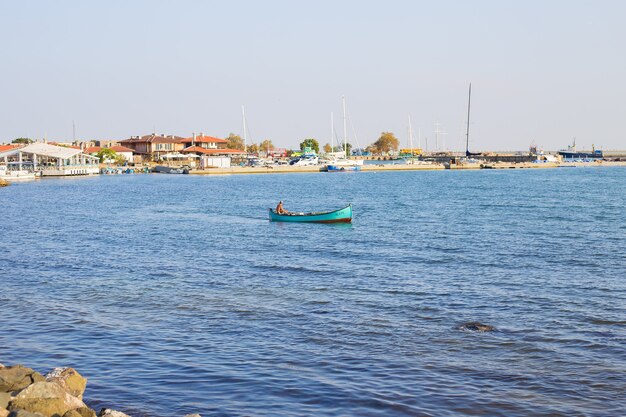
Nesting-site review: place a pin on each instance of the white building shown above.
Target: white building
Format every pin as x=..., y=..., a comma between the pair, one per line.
x=50, y=160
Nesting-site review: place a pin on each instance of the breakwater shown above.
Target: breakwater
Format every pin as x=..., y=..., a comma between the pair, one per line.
x=25, y=392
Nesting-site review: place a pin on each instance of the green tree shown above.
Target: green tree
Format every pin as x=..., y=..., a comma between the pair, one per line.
x=310, y=143
x=23, y=140
x=386, y=142
x=327, y=148
x=109, y=155
x=253, y=148
x=235, y=142
x=339, y=148
x=266, y=145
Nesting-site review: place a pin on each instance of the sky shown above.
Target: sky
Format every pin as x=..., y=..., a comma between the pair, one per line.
x=542, y=72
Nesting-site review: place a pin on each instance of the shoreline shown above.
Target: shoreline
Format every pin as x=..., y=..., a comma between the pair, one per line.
x=401, y=167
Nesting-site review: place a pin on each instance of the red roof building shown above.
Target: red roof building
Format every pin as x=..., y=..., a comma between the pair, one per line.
x=92, y=149
x=154, y=146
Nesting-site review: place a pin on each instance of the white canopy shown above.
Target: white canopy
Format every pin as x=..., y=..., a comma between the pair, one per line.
x=44, y=149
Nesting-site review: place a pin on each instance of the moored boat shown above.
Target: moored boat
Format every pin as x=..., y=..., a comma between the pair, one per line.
x=342, y=168
x=343, y=215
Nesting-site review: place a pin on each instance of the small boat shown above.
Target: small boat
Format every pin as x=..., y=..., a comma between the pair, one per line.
x=342, y=168
x=343, y=215
x=161, y=169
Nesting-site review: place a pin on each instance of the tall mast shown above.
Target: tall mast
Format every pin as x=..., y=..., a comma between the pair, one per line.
x=345, y=127
x=419, y=137
x=245, y=138
x=410, y=135
x=436, y=136
x=332, y=132
x=469, y=101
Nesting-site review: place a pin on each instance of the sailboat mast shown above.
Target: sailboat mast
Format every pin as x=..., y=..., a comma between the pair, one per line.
x=332, y=132
x=245, y=138
x=345, y=127
x=469, y=101
x=410, y=135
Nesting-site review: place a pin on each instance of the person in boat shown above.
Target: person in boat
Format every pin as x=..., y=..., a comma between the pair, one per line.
x=280, y=209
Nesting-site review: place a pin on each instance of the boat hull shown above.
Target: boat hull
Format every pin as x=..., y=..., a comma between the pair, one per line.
x=342, y=168
x=343, y=215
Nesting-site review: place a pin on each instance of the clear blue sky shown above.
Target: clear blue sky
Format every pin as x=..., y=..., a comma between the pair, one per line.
x=542, y=71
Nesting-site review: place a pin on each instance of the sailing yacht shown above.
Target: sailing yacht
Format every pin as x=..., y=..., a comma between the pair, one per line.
x=339, y=161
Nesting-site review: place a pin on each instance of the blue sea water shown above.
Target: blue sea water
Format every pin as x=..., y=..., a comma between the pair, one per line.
x=174, y=294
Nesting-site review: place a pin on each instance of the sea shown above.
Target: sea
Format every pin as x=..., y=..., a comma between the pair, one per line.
x=174, y=294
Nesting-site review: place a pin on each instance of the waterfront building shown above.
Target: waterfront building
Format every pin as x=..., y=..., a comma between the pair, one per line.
x=153, y=147
x=123, y=151
x=50, y=160
x=211, y=151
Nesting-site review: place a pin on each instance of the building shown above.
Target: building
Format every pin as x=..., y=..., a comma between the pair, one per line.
x=153, y=147
x=50, y=160
x=212, y=152
x=124, y=152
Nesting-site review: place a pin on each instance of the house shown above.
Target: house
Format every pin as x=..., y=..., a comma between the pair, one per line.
x=92, y=150
x=125, y=152
x=208, y=145
x=153, y=147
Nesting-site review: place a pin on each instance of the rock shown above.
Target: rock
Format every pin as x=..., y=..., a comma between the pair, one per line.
x=5, y=398
x=69, y=379
x=15, y=378
x=23, y=413
x=47, y=398
x=107, y=412
x=193, y=415
x=48, y=407
x=4, y=412
x=3, y=183
x=475, y=326
x=81, y=412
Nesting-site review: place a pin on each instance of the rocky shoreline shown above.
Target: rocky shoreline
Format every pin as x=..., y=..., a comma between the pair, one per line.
x=3, y=183
x=25, y=392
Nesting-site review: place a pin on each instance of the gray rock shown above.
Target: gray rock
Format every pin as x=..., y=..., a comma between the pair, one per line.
x=107, y=412
x=475, y=326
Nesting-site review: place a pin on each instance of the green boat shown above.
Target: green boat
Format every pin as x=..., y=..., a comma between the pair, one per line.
x=343, y=215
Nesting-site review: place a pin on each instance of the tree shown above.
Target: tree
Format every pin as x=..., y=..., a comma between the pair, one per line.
x=266, y=145
x=310, y=143
x=327, y=148
x=386, y=142
x=23, y=140
x=253, y=148
x=109, y=155
x=235, y=142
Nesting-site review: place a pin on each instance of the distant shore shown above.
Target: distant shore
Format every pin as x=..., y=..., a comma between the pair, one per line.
x=403, y=167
